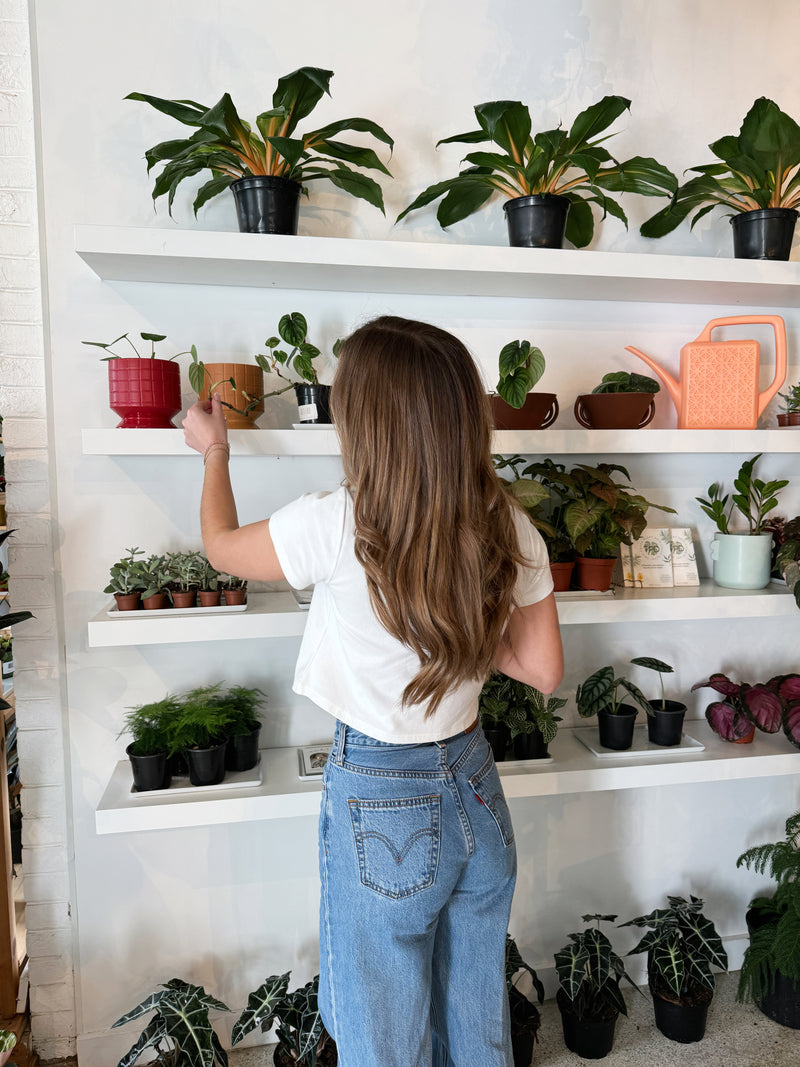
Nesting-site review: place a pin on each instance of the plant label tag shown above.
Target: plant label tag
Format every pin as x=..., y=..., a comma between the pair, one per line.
x=684, y=558
x=307, y=412
x=647, y=563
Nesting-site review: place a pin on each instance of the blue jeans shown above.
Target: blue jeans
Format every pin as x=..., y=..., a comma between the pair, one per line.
x=417, y=868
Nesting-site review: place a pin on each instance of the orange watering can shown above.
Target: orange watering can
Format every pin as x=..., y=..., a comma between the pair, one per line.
x=718, y=385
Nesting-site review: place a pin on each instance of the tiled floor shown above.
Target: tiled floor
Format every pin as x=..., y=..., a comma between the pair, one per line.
x=737, y=1036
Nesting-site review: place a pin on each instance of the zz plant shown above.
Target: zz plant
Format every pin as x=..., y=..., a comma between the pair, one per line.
x=230, y=148
x=555, y=162
x=754, y=498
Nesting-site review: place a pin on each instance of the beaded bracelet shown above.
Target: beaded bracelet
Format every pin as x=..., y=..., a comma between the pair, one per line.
x=214, y=445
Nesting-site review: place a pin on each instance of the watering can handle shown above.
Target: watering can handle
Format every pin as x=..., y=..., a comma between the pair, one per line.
x=779, y=329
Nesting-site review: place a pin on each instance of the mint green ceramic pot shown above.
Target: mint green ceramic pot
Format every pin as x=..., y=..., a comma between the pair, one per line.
x=742, y=561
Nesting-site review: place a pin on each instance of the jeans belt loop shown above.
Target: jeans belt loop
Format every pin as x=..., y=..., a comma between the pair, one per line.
x=337, y=752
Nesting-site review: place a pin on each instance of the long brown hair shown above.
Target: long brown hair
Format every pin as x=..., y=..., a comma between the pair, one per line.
x=434, y=529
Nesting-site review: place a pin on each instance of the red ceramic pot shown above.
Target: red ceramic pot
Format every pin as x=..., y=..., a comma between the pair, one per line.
x=146, y=393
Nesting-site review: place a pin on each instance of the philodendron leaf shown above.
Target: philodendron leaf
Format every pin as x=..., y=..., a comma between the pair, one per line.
x=260, y=1006
x=514, y=388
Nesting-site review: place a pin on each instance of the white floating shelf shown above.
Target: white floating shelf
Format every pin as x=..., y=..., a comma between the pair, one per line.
x=282, y=795
x=203, y=257
x=114, y=442
x=278, y=615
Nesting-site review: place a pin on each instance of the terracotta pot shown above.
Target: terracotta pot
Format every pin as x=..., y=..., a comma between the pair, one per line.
x=595, y=573
x=783, y=419
x=248, y=377
x=155, y=602
x=210, y=598
x=794, y=418
x=562, y=575
x=746, y=738
x=615, y=411
x=539, y=411
x=146, y=393
x=128, y=601
x=235, y=596
x=184, y=598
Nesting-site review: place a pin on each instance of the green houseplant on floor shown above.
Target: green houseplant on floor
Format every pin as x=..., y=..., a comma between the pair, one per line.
x=756, y=179
x=550, y=180
x=268, y=167
x=303, y=1041
x=525, y=1017
x=770, y=974
x=682, y=947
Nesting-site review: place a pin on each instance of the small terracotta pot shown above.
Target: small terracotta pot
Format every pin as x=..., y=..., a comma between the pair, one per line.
x=595, y=573
x=155, y=602
x=128, y=601
x=539, y=411
x=783, y=419
x=615, y=411
x=184, y=598
x=235, y=596
x=210, y=598
x=248, y=377
x=562, y=575
x=794, y=418
x=746, y=738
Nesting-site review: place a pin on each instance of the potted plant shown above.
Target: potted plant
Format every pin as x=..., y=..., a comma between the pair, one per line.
x=525, y=1017
x=180, y=1032
x=756, y=180
x=743, y=560
x=522, y=714
x=550, y=179
x=144, y=391
x=200, y=732
x=622, y=401
x=589, y=996
x=152, y=729
x=126, y=581
x=600, y=516
x=313, y=398
x=514, y=406
x=243, y=727
x=209, y=592
x=303, y=1041
x=682, y=946
x=665, y=717
x=492, y=708
x=599, y=696
x=544, y=490
x=787, y=556
x=155, y=577
x=266, y=173
x=770, y=706
x=791, y=403
x=770, y=974
x=187, y=570
x=234, y=589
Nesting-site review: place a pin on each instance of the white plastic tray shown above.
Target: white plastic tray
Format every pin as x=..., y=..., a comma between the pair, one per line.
x=144, y=613
x=641, y=747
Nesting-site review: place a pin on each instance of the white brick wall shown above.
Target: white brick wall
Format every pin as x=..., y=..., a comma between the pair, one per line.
x=37, y=649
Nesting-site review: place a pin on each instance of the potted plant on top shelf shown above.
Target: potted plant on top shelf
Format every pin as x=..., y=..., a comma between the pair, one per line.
x=589, y=997
x=243, y=726
x=550, y=179
x=791, y=402
x=743, y=560
x=770, y=974
x=757, y=179
x=200, y=733
x=682, y=946
x=143, y=390
x=665, y=717
x=187, y=570
x=518, y=713
x=266, y=170
x=787, y=556
x=599, y=696
x=152, y=730
x=515, y=406
x=622, y=401
x=770, y=706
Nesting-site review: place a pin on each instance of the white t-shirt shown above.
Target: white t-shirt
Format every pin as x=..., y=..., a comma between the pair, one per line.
x=349, y=664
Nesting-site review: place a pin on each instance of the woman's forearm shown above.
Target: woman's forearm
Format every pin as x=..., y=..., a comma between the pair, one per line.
x=217, y=507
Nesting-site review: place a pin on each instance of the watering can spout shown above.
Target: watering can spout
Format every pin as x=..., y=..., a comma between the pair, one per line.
x=672, y=387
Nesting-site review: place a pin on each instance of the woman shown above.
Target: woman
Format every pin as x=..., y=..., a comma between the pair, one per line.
x=426, y=577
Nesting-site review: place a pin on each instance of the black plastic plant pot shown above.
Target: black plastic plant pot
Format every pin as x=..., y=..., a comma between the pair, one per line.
x=498, y=738
x=149, y=772
x=537, y=221
x=265, y=204
x=684, y=1023
x=525, y=1023
x=313, y=402
x=242, y=751
x=616, y=731
x=782, y=1004
x=764, y=234
x=530, y=746
x=665, y=725
x=206, y=765
x=590, y=1038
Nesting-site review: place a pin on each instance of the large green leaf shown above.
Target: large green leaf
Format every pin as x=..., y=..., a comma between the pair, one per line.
x=463, y=199
x=528, y=492
x=299, y=93
x=359, y=185
x=186, y=111
x=508, y=123
x=580, y=222
x=640, y=174
x=211, y=189
x=571, y=964
x=352, y=154
x=152, y=1034
x=582, y=515
x=770, y=136
x=595, y=693
x=668, y=962
x=357, y=125
x=261, y=1005
x=292, y=149
x=186, y=1022
x=653, y=664
x=595, y=119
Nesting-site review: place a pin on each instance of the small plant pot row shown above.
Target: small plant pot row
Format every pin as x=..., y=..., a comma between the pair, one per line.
x=203, y=766
x=181, y=599
x=174, y=579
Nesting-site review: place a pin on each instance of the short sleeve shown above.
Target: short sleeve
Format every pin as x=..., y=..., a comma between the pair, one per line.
x=308, y=534
x=534, y=580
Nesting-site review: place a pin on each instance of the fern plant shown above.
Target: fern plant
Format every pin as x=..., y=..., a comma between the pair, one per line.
x=775, y=922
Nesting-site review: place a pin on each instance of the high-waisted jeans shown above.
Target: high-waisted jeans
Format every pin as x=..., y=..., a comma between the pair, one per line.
x=417, y=865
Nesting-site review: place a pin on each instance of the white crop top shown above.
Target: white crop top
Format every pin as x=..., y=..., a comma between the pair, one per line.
x=348, y=663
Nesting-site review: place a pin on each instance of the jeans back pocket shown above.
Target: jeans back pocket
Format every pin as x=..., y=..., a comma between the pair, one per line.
x=487, y=788
x=397, y=842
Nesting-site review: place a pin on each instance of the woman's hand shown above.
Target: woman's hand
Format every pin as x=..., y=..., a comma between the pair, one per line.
x=204, y=424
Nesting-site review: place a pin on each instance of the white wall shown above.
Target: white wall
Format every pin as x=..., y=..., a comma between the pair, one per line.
x=225, y=906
